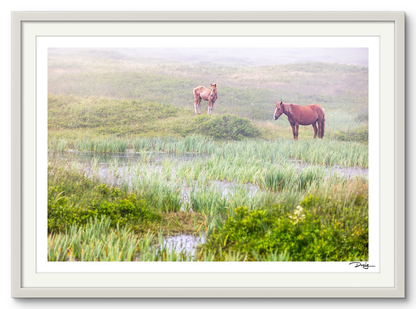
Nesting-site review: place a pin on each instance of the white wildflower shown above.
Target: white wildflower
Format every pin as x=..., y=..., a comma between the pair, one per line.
x=297, y=215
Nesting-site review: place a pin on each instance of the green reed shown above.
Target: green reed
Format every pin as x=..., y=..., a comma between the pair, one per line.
x=321, y=152
x=98, y=242
x=201, y=187
x=191, y=143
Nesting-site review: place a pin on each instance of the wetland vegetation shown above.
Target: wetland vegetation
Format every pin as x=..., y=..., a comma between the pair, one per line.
x=130, y=167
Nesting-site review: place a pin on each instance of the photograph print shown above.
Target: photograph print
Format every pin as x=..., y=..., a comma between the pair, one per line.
x=222, y=153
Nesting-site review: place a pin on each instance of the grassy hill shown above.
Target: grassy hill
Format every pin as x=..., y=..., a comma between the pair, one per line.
x=121, y=92
x=74, y=118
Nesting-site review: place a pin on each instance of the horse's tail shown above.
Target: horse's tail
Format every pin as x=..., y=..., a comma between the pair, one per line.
x=323, y=124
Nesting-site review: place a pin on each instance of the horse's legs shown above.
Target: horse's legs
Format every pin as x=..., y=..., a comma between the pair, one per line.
x=297, y=131
x=314, y=129
x=196, y=105
x=293, y=130
x=322, y=127
x=319, y=128
x=210, y=106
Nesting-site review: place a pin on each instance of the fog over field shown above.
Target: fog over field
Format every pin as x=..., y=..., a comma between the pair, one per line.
x=239, y=56
x=250, y=80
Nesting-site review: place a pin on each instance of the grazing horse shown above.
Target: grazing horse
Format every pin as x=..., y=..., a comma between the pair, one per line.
x=302, y=115
x=207, y=94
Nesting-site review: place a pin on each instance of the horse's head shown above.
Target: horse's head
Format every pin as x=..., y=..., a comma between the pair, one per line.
x=213, y=89
x=278, y=110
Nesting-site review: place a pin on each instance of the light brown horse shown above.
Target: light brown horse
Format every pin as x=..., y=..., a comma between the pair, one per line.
x=302, y=115
x=207, y=94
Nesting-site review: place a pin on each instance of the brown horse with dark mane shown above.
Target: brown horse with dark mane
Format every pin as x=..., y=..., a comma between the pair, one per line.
x=207, y=94
x=302, y=115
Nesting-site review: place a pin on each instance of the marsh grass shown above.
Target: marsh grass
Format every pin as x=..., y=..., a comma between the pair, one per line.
x=252, y=191
x=151, y=198
x=321, y=152
x=97, y=241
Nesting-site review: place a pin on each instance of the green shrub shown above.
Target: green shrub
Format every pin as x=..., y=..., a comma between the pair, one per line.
x=359, y=134
x=313, y=231
x=226, y=127
x=74, y=199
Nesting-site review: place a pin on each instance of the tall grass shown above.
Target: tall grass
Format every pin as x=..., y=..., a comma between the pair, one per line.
x=98, y=242
x=191, y=143
x=321, y=152
x=103, y=146
x=161, y=195
x=215, y=188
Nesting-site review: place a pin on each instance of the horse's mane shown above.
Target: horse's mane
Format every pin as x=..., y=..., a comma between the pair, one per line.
x=287, y=108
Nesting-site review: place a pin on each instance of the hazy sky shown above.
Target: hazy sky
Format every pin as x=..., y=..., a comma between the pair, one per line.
x=224, y=56
x=256, y=56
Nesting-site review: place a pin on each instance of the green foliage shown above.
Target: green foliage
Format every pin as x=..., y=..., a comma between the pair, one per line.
x=75, y=199
x=319, y=229
x=98, y=241
x=358, y=134
x=226, y=127
x=107, y=117
x=161, y=188
x=159, y=195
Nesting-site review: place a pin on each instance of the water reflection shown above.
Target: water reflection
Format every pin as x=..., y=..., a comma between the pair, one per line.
x=187, y=243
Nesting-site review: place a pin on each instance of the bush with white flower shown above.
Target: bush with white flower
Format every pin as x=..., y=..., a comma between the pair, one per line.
x=298, y=215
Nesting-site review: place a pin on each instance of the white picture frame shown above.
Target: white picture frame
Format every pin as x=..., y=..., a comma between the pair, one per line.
x=389, y=282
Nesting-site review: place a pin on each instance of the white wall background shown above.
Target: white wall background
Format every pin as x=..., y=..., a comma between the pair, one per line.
x=192, y=5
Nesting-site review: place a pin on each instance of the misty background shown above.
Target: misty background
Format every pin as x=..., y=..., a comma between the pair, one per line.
x=234, y=56
x=96, y=90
